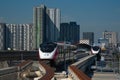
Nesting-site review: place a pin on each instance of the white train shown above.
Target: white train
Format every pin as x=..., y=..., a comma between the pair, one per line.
x=95, y=50
x=52, y=51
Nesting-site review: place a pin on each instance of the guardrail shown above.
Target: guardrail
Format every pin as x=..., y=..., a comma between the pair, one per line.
x=76, y=70
x=77, y=74
x=24, y=65
x=81, y=63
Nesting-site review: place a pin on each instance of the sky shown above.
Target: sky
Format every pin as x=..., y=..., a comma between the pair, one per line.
x=92, y=15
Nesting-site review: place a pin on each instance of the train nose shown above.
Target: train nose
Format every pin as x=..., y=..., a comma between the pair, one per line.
x=95, y=49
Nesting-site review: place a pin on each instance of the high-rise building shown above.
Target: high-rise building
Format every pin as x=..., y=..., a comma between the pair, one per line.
x=112, y=38
x=64, y=32
x=2, y=36
x=89, y=36
x=70, y=32
x=46, y=24
x=39, y=24
x=19, y=36
x=53, y=27
x=11, y=36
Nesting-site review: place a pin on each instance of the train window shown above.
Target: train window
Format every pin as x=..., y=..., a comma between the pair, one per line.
x=48, y=47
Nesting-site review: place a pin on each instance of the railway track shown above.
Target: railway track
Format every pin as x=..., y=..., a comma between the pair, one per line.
x=49, y=72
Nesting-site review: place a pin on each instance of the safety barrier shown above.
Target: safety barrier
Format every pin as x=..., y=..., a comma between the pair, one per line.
x=24, y=65
x=77, y=74
x=76, y=70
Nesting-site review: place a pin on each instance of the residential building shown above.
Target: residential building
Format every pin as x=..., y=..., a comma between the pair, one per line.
x=46, y=24
x=53, y=27
x=2, y=36
x=84, y=41
x=70, y=32
x=39, y=24
x=19, y=36
x=112, y=38
x=89, y=36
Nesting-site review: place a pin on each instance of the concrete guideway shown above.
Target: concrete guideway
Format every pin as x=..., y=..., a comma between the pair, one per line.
x=76, y=70
x=74, y=73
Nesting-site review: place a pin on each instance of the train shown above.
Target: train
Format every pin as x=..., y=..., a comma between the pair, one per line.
x=95, y=49
x=55, y=51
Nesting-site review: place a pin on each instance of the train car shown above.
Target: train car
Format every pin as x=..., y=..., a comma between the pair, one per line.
x=53, y=51
x=89, y=49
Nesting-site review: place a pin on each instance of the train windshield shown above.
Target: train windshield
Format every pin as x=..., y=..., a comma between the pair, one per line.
x=47, y=47
x=96, y=48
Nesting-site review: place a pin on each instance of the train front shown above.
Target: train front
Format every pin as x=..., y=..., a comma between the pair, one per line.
x=95, y=49
x=47, y=51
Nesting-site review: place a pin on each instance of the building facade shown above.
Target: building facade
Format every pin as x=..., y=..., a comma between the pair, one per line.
x=2, y=36
x=46, y=24
x=70, y=32
x=19, y=36
x=39, y=24
x=53, y=27
x=112, y=38
x=84, y=41
x=89, y=36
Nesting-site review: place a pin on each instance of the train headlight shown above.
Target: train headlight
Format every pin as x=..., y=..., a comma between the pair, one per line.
x=46, y=54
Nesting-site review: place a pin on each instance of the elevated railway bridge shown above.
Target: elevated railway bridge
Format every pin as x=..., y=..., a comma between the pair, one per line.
x=76, y=71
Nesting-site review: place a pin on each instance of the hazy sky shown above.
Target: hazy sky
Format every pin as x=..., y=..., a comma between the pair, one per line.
x=92, y=15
